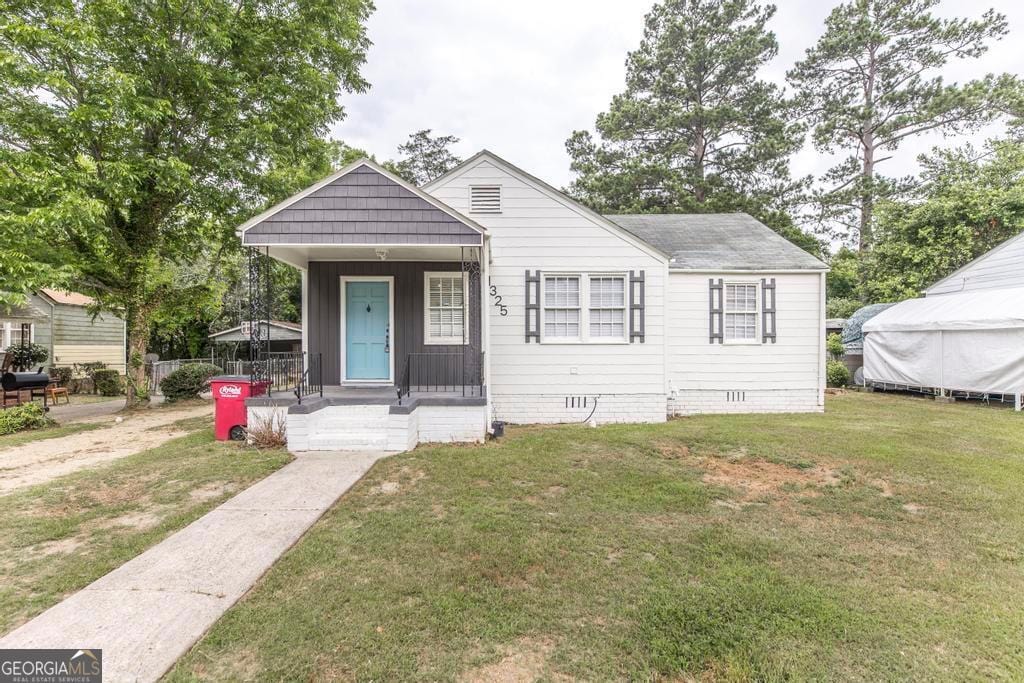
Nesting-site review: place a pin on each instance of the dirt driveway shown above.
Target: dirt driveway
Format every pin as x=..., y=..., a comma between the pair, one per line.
x=40, y=461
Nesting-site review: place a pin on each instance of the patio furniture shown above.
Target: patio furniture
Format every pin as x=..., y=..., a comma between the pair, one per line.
x=55, y=391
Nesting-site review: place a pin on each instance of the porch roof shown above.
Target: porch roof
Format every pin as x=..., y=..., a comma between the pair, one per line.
x=361, y=205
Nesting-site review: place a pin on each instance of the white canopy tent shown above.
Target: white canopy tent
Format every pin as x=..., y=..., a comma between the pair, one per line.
x=970, y=341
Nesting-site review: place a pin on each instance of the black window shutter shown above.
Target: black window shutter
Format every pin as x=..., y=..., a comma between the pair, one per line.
x=637, y=299
x=767, y=310
x=532, y=308
x=716, y=294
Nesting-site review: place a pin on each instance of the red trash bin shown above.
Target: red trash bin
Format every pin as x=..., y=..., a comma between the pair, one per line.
x=229, y=394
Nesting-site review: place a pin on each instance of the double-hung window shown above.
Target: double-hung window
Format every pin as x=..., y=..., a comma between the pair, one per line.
x=562, y=307
x=584, y=307
x=740, y=312
x=11, y=333
x=608, y=307
x=445, y=315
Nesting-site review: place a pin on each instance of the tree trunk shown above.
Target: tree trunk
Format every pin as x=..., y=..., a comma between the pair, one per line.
x=137, y=324
x=867, y=197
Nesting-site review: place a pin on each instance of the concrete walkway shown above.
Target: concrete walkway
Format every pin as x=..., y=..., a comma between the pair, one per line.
x=147, y=613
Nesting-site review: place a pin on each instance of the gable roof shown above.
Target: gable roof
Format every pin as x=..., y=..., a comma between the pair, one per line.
x=718, y=241
x=280, y=324
x=69, y=298
x=959, y=271
x=551, y=192
x=362, y=203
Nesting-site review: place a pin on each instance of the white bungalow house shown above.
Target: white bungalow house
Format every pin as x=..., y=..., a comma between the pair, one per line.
x=488, y=295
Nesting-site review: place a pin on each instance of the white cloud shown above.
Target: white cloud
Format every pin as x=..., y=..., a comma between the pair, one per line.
x=519, y=77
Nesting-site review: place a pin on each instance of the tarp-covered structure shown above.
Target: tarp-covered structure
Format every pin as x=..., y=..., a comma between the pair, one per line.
x=971, y=341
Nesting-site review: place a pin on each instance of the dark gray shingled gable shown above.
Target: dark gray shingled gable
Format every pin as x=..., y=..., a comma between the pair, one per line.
x=717, y=241
x=361, y=207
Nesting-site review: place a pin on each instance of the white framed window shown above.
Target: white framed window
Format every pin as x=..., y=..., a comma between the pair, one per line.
x=584, y=307
x=740, y=312
x=607, y=307
x=445, y=314
x=562, y=307
x=10, y=333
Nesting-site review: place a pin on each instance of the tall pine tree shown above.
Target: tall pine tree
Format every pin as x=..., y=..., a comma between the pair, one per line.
x=695, y=130
x=871, y=83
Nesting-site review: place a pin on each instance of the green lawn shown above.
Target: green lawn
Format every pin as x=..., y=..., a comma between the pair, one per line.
x=19, y=438
x=60, y=536
x=883, y=540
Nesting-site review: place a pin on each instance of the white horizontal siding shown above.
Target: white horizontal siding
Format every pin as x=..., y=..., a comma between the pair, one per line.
x=528, y=382
x=1003, y=267
x=784, y=376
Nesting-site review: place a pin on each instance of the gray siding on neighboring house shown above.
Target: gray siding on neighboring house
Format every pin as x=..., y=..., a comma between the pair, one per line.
x=324, y=311
x=361, y=207
x=75, y=325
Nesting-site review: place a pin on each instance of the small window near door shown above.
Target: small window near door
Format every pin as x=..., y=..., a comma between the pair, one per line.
x=445, y=316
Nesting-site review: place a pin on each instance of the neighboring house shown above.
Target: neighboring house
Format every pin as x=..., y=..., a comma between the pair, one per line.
x=284, y=336
x=965, y=336
x=63, y=323
x=490, y=295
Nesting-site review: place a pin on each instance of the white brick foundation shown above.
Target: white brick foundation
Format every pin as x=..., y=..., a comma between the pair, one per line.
x=375, y=427
x=697, y=401
x=532, y=408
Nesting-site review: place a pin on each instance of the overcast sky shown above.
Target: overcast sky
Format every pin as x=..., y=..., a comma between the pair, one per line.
x=518, y=77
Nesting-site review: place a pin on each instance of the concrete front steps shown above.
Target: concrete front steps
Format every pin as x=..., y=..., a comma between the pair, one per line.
x=377, y=427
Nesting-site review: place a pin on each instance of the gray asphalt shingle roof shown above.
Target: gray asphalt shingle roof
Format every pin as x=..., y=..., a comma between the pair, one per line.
x=717, y=241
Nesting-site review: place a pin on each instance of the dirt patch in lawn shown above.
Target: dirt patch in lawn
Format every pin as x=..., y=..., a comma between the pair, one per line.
x=210, y=491
x=760, y=480
x=41, y=461
x=524, y=662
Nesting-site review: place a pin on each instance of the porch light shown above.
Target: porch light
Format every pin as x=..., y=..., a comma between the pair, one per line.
x=382, y=253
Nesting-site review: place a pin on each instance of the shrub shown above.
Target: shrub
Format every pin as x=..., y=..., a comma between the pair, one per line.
x=834, y=345
x=89, y=370
x=268, y=432
x=23, y=417
x=108, y=382
x=188, y=381
x=28, y=356
x=837, y=374
x=62, y=375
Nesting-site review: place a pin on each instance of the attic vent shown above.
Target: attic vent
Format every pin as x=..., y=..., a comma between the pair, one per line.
x=485, y=199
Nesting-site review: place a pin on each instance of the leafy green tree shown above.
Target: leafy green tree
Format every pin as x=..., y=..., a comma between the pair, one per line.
x=696, y=129
x=873, y=81
x=971, y=201
x=424, y=157
x=133, y=133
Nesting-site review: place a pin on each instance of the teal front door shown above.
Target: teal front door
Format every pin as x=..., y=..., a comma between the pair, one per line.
x=367, y=331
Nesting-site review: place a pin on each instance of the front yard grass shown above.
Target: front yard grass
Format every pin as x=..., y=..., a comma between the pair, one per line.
x=882, y=540
x=60, y=536
x=55, y=432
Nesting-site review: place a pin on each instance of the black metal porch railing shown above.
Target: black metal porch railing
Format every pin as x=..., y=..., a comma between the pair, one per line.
x=298, y=373
x=453, y=373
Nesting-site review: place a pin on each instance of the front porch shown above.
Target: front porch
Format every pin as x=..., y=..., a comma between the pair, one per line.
x=393, y=327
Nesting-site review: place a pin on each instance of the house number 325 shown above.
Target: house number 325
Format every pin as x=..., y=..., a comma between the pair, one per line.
x=502, y=308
